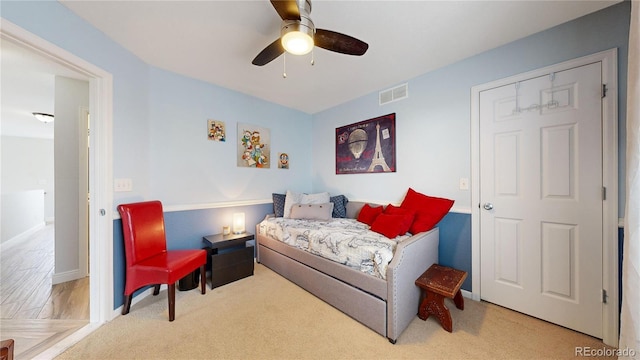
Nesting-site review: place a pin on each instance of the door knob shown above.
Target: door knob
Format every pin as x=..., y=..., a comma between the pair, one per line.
x=487, y=206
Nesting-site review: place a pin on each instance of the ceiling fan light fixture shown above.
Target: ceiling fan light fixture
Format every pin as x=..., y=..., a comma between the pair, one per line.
x=297, y=43
x=45, y=118
x=297, y=36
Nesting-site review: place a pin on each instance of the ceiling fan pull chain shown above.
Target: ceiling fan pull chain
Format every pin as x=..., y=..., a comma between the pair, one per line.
x=517, y=103
x=553, y=102
x=313, y=61
x=284, y=66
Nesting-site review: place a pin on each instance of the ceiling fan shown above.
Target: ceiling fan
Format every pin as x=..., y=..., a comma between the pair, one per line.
x=298, y=35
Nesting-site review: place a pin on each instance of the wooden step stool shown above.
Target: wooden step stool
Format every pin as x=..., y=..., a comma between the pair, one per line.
x=439, y=282
x=6, y=349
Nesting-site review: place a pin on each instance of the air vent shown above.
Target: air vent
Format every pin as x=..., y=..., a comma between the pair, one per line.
x=394, y=94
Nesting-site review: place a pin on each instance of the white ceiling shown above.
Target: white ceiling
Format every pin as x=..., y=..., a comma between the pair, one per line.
x=27, y=83
x=215, y=41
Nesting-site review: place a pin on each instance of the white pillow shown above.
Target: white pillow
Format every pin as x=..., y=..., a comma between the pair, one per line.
x=292, y=198
x=319, y=198
x=312, y=211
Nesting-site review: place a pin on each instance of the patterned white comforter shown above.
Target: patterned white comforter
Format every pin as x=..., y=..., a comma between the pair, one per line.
x=346, y=241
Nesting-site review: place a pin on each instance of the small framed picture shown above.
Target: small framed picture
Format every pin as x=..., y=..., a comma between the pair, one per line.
x=216, y=130
x=283, y=161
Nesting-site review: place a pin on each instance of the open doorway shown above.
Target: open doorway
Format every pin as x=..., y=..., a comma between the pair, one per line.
x=99, y=214
x=43, y=271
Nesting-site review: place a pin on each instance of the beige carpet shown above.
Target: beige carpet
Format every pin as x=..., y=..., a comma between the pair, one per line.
x=267, y=317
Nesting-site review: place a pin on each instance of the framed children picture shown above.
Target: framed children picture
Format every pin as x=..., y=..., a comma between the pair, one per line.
x=216, y=130
x=367, y=146
x=254, y=149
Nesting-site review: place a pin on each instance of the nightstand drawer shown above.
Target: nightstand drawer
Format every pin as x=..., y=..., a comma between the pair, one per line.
x=231, y=266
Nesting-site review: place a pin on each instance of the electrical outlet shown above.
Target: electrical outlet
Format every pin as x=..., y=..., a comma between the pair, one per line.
x=464, y=184
x=120, y=185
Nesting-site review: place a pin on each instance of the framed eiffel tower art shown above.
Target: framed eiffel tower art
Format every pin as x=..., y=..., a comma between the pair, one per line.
x=367, y=146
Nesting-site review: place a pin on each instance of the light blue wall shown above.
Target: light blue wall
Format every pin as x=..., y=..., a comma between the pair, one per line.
x=159, y=121
x=434, y=123
x=56, y=24
x=187, y=168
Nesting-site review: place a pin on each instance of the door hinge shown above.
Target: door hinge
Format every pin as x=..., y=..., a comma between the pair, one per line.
x=604, y=296
x=604, y=90
x=604, y=193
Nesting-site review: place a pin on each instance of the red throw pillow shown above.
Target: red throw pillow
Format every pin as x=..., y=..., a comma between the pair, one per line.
x=407, y=216
x=388, y=225
x=429, y=210
x=368, y=214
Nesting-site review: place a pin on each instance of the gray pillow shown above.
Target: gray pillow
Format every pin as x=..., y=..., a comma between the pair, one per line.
x=312, y=211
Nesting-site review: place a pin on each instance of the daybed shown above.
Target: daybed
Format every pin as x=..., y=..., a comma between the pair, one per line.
x=385, y=306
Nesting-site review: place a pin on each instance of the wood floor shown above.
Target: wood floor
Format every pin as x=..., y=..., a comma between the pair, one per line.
x=33, y=312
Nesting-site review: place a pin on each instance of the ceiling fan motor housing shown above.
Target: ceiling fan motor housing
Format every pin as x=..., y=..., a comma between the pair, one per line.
x=304, y=25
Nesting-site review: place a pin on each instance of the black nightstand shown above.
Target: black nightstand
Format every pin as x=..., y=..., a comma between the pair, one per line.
x=231, y=257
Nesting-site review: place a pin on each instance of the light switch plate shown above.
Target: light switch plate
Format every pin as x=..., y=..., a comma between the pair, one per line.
x=464, y=184
x=121, y=185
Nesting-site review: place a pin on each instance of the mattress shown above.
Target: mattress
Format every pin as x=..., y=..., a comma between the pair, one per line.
x=345, y=241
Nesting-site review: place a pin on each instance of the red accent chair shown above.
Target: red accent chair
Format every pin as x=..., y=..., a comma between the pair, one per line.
x=147, y=259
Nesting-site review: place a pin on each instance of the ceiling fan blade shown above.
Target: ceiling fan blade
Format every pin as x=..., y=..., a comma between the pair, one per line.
x=269, y=53
x=340, y=43
x=287, y=9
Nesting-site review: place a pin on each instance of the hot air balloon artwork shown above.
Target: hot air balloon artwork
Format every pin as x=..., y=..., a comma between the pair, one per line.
x=367, y=147
x=357, y=142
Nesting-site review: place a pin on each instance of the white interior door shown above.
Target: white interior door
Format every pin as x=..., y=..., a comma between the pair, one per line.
x=541, y=195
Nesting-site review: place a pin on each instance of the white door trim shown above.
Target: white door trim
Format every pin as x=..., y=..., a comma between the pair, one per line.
x=609, y=59
x=100, y=168
x=83, y=226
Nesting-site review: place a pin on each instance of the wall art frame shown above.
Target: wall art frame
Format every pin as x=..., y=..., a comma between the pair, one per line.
x=283, y=161
x=367, y=146
x=254, y=146
x=216, y=130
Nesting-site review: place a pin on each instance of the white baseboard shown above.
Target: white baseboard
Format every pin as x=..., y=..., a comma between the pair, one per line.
x=67, y=276
x=21, y=237
x=118, y=311
x=469, y=295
